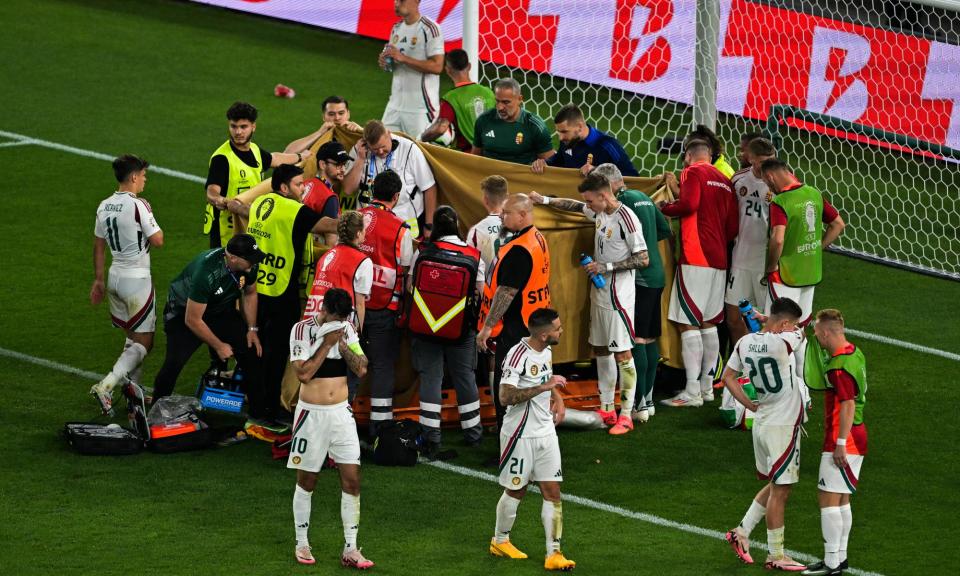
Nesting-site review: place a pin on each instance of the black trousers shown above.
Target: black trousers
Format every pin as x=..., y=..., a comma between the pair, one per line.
x=227, y=325
x=275, y=318
x=505, y=341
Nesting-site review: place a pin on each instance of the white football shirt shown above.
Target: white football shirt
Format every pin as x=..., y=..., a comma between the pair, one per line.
x=769, y=361
x=125, y=221
x=753, y=202
x=524, y=367
x=413, y=91
x=307, y=336
x=617, y=237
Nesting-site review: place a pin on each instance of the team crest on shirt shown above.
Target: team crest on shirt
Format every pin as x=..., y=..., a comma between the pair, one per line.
x=296, y=460
x=519, y=138
x=743, y=191
x=413, y=41
x=769, y=196
x=396, y=38
x=534, y=370
x=515, y=481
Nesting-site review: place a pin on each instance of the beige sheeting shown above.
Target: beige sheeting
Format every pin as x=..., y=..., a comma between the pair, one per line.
x=458, y=178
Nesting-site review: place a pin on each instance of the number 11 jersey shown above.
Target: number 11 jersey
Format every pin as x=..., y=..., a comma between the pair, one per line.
x=768, y=360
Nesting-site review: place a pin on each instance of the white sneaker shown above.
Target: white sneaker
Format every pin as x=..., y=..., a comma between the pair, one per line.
x=707, y=396
x=641, y=415
x=682, y=400
x=651, y=408
x=103, y=392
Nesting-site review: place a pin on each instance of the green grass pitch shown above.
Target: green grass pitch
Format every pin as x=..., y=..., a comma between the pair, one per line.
x=154, y=78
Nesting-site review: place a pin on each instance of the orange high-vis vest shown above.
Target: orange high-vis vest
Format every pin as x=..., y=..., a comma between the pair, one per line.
x=536, y=293
x=384, y=231
x=335, y=269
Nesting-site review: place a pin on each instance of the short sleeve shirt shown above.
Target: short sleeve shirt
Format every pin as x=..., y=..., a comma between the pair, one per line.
x=206, y=280
x=126, y=221
x=520, y=142
x=307, y=336
x=408, y=161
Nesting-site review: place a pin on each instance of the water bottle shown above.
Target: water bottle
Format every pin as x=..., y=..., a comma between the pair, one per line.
x=237, y=380
x=597, y=279
x=387, y=62
x=746, y=312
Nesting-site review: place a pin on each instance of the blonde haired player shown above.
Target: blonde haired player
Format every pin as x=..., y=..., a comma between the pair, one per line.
x=768, y=357
x=844, y=440
x=126, y=224
x=529, y=450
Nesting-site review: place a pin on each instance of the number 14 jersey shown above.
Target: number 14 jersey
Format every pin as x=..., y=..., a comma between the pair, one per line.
x=768, y=360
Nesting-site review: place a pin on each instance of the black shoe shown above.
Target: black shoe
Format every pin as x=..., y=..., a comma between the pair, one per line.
x=432, y=453
x=820, y=569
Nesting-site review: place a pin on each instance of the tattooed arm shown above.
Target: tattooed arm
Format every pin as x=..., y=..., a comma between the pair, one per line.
x=356, y=362
x=502, y=299
x=559, y=203
x=638, y=260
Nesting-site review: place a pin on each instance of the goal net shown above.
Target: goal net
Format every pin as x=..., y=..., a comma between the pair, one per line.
x=880, y=77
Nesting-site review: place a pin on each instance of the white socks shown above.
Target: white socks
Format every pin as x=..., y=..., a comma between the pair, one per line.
x=628, y=385
x=606, y=381
x=775, y=542
x=831, y=522
x=754, y=515
x=301, y=514
x=350, y=516
x=136, y=373
x=128, y=362
x=506, y=514
x=711, y=352
x=691, y=350
x=847, y=515
x=552, y=515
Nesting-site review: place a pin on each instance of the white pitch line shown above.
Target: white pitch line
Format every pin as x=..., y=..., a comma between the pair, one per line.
x=96, y=155
x=641, y=516
x=16, y=143
x=903, y=344
x=191, y=178
x=470, y=472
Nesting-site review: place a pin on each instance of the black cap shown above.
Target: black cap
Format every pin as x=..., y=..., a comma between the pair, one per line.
x=333, y=151
x=244, y=246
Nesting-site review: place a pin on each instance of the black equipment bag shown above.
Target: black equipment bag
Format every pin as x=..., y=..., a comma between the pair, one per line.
x=89, y=438
x=396, y=443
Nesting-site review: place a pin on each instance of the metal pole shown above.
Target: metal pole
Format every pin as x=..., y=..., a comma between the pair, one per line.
x=945, y=4
x=707, y=57
x=471, y=36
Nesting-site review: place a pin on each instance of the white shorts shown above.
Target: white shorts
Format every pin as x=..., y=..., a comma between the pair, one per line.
x=839, y=480
x=746, y=284
x=133, y=306
x=697, y=295
x=612, y=329
x=319, y=430
x=776, y=450
x=413, y=124
x=529, y=460
x=802, y=295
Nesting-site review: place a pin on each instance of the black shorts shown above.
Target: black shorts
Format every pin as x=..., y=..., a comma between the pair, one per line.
x=646, y=312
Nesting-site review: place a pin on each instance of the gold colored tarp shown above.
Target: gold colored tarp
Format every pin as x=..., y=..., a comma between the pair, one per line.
x=458, y=178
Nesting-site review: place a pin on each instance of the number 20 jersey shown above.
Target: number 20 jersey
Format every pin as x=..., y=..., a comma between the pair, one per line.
x=768, y=360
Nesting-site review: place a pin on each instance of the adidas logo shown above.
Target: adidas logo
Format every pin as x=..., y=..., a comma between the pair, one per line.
x=219, y=291
x=304, y=525
x=613, y=344
x=569, y=152
x=490, y=134
x=559, y=473
x=822, y=482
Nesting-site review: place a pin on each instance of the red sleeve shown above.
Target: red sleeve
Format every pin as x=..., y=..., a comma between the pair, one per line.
x=447, y=113
x=689, y=201
x=843, y=383
x=733, y=218
x=829, y=212
x=778, y=217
